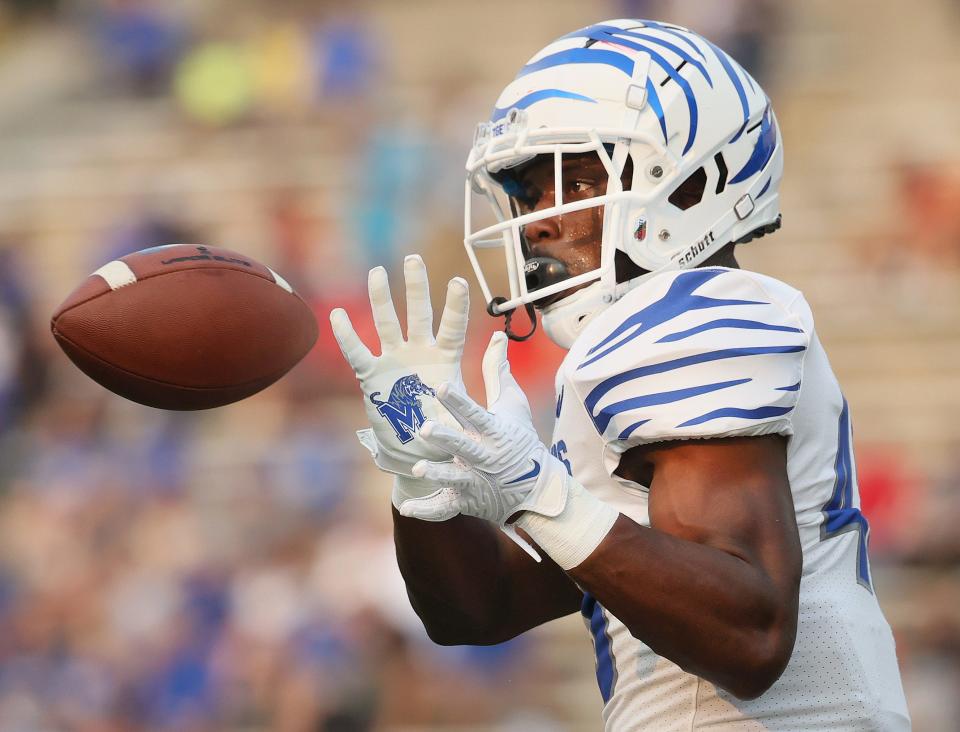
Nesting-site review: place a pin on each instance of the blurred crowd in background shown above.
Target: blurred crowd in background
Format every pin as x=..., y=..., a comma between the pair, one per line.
x=234, y=570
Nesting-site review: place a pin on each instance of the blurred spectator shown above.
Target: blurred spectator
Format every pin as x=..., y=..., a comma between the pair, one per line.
x=930, y=196
x=26, y=9
x=280, y=58
x=890, y=492
x=151, y=224
x=22, y=368
x=914, y=245
x=214, y=84
x=140, y=41
x=392, y=190
x=346, y=57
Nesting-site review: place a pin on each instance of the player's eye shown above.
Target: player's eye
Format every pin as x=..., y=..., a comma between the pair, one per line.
x=578, y=188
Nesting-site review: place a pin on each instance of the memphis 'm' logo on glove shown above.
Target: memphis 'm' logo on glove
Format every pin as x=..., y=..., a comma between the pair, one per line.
x=402, y=409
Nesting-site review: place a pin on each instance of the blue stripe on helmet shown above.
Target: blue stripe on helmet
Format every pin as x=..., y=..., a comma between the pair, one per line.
x=605, y=33
x=581, y=56
x=765, y=186
x=676, y=49
x=674, y=32
x=758, y=413
x=657, y=107
x=762, y=151
x=737, y=84
x=538, y=96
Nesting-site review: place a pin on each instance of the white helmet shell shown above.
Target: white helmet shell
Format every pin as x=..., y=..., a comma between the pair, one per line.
x=681, y=108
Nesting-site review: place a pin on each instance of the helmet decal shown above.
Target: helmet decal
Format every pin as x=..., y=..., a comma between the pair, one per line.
x=762, y=151
x=537, y=96
x=654, y=99
x=589, y=55
x=612, y=34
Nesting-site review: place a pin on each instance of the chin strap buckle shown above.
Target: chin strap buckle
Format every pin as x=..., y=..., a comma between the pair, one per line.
x=508, y=317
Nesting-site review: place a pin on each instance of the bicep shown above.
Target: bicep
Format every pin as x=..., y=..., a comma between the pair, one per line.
x=732, y=494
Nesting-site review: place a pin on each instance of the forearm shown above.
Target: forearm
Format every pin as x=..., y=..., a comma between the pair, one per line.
x=470, y=584
x=712, y=613
x=453, y=573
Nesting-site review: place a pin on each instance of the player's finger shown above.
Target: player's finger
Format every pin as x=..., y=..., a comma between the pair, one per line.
x=442, y=474
x=357, y=354
x=493, y=365
x=419, y=310
x=453, y=441
x=466, y=411
x=453, y=322
x=441, y=505
x=504, y=395
x=384, y=314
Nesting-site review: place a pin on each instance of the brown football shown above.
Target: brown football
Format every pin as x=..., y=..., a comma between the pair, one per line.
x=184, y=326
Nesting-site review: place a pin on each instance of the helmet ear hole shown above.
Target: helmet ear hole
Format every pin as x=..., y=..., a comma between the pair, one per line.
x=689, y=193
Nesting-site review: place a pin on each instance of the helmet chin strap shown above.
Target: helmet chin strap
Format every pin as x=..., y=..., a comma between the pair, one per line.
x=508, y=317
x=539, y=272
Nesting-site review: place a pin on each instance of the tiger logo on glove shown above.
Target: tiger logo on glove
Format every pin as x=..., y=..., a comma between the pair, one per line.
x=402, y=408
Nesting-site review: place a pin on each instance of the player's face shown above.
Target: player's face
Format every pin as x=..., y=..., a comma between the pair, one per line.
x=572, y=238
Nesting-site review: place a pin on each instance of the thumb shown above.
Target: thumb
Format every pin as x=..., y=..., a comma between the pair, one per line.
x=495, y=366
x=504, y=395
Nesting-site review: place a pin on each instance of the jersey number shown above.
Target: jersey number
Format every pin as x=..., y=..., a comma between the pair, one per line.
x=559, y=451
x=839, y=513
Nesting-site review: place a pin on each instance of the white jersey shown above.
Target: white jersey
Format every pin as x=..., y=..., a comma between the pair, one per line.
x=717, y=352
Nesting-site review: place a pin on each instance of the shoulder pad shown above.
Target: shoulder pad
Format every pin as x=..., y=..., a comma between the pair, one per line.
x=694, y=354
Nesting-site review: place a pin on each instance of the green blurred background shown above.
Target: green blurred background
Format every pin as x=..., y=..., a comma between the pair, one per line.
x=234, y=570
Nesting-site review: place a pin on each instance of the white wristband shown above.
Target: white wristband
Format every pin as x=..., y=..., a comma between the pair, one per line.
x=572, y=535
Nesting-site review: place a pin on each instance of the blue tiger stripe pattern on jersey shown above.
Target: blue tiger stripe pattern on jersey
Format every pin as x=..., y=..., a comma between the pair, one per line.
x=726, y=323
x=669, y=368
x=606, y=668
x=679, y=299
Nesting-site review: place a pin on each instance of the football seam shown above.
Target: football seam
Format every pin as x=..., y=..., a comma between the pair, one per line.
x=161, y=274
x=275, y=375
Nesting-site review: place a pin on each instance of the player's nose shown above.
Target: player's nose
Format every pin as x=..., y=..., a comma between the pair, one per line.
x=540, y=233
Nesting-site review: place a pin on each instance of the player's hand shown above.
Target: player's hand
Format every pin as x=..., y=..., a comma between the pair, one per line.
x=398, y=384
x=501, y=467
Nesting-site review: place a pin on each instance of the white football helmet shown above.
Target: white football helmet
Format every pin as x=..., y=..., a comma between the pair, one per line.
x=683, y=111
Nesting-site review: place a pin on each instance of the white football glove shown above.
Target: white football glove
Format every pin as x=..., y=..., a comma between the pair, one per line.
x=397, y=384
x=501, y=467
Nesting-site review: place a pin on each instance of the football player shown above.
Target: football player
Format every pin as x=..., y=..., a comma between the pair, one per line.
x=698, y=502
